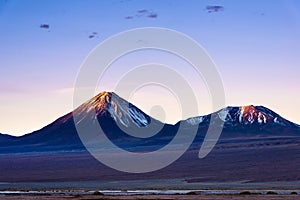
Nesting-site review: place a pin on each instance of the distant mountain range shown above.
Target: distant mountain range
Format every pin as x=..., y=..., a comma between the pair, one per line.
x=253, y=131
x=113, y=112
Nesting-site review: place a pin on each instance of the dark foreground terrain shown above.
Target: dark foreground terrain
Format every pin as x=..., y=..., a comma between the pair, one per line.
x=154, y=197
x=260, y=160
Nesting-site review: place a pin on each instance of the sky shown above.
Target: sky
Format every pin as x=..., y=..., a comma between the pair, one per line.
x=254, y=45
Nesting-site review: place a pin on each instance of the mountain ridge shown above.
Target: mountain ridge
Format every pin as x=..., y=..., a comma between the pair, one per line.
x=98, y=103
x=251, y=139
x=118, y=117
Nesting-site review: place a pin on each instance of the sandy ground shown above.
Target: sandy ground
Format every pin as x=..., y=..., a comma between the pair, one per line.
x=153, y=197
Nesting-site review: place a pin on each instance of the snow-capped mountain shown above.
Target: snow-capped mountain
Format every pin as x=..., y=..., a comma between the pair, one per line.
x=247, y=121
x=248, y=115
x=108, y=104
x=252, y=136
x=118, y=117
x=244, y=115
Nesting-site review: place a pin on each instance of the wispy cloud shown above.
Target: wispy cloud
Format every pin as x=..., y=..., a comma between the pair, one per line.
x=214, y=8
x=143, y=13
x=45, y=26
x=64, y=91
x=93, y=34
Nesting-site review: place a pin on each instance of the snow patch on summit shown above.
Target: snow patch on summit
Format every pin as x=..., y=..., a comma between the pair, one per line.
x=256, y=114
x=195, y=120
x=119, y=109
x=223, y=114
x=261, y=118
x=138, y=117
x=125, y=113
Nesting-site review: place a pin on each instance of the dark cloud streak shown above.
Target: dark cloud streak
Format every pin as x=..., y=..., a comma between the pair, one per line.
x=214, y=8
x=45, y=26
x=152, y=15
x=143, y=13
x=94, y=34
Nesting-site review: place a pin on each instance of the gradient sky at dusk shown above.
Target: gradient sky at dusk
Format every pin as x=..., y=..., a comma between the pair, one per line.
x=254, y=44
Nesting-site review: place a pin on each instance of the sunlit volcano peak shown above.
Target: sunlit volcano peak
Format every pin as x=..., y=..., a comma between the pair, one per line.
x=102, y=95
x=110, y=104
x=250, y=114
x=247, y=109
